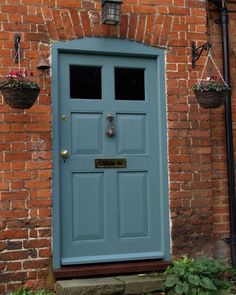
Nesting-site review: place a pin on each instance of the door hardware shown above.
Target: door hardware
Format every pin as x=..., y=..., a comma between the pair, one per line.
x=110, y=130
x=64, y=154
x=111, y=163
x=64, y=117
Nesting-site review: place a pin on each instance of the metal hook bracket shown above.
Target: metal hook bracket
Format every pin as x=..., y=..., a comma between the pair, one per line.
x=17, y=46
x=197, y=51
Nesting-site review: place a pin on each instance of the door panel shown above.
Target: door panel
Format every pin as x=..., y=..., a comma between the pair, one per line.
x=131, y=133
x=133, y=205
x=88, y=206
x=109, y=214
x=86, y=130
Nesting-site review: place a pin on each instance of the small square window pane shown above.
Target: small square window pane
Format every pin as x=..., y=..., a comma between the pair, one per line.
x=129, y=84
x=85, y=82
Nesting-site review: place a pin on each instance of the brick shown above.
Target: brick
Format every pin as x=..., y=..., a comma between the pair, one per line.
x=36, y=37
x=39, y=203
x=44, y=253
x=224, y=227
x=36, y=264
x=85, y=24
x=14, y=255
x=37, y=184
x=13, y=195
x=14, y=245
x=13, y=277
x=18, y=156
x=139, y=9
x=132, y=26
x=140, y=28
x=76, y=23
x=37, y=19
x=17, y=175
x=124, y=26
x=39, y=243
x=21, y=9
x=173, y=10
x=69, y=3
x=13, y=266
x=67, y=24
x=17, y=233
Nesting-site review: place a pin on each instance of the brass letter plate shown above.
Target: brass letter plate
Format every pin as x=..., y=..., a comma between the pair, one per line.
x=110, y=163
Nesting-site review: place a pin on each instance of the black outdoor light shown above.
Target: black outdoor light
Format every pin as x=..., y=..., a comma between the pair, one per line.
x=111, y=12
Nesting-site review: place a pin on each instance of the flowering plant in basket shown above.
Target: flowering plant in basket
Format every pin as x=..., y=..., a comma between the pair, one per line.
x=19, y=90
x=211, y=93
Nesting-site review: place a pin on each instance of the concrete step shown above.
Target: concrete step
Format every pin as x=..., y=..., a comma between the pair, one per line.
x=117, y=285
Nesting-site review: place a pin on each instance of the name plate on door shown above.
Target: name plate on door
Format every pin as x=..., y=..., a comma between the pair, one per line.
x=110, y=163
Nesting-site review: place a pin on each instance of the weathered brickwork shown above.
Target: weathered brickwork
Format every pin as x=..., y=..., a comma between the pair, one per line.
x=196, y=137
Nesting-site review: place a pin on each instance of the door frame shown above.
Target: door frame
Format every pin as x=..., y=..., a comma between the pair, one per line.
x=116, y=47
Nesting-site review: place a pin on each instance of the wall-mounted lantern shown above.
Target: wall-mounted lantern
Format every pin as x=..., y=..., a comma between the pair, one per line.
x=111, y=12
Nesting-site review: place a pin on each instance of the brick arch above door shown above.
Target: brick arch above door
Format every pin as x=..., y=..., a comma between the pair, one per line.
x=151, y=25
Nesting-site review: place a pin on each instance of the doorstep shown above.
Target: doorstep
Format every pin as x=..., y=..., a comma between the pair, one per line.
x=116, y=285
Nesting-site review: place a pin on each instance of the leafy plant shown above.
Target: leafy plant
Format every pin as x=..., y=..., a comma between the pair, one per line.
x=198, y=277
x=23, y=291
x=19, y=79
x=212, y=83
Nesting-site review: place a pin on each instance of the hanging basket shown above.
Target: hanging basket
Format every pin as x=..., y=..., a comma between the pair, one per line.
x=211, y=99
x=212, y=92
x=20, y=98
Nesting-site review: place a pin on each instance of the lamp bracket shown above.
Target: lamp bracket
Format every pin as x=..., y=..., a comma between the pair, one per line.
x=197, y=51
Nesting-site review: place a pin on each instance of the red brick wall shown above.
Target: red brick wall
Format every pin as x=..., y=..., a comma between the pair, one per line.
x=197, y=158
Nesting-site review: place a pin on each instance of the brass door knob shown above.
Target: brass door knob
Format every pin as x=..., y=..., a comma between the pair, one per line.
x=64, y=154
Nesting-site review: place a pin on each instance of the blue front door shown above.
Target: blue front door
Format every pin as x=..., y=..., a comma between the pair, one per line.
x=111, y=169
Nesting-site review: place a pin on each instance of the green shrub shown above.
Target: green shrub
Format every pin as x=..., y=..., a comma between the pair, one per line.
x=23, y=291
x=198, y=277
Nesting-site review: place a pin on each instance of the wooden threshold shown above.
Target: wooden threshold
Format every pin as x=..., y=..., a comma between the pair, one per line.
x=88, y=270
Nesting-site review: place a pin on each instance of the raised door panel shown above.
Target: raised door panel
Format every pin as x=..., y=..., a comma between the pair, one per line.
x=86, y=133
x=131, y=134
x=133, y=204
x=88, y=206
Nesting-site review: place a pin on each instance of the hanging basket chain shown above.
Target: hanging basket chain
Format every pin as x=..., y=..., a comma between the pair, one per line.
x=215, y=95
x=203, y=71
x=209, y=57
x=218, y=70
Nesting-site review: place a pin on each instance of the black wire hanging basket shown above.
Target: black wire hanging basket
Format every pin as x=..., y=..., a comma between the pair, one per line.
x=212, y=92
x=18, y=89
x=20, y=98
x=211, y=99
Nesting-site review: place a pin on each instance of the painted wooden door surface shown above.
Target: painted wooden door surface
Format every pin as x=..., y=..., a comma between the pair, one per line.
x=112, y=213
